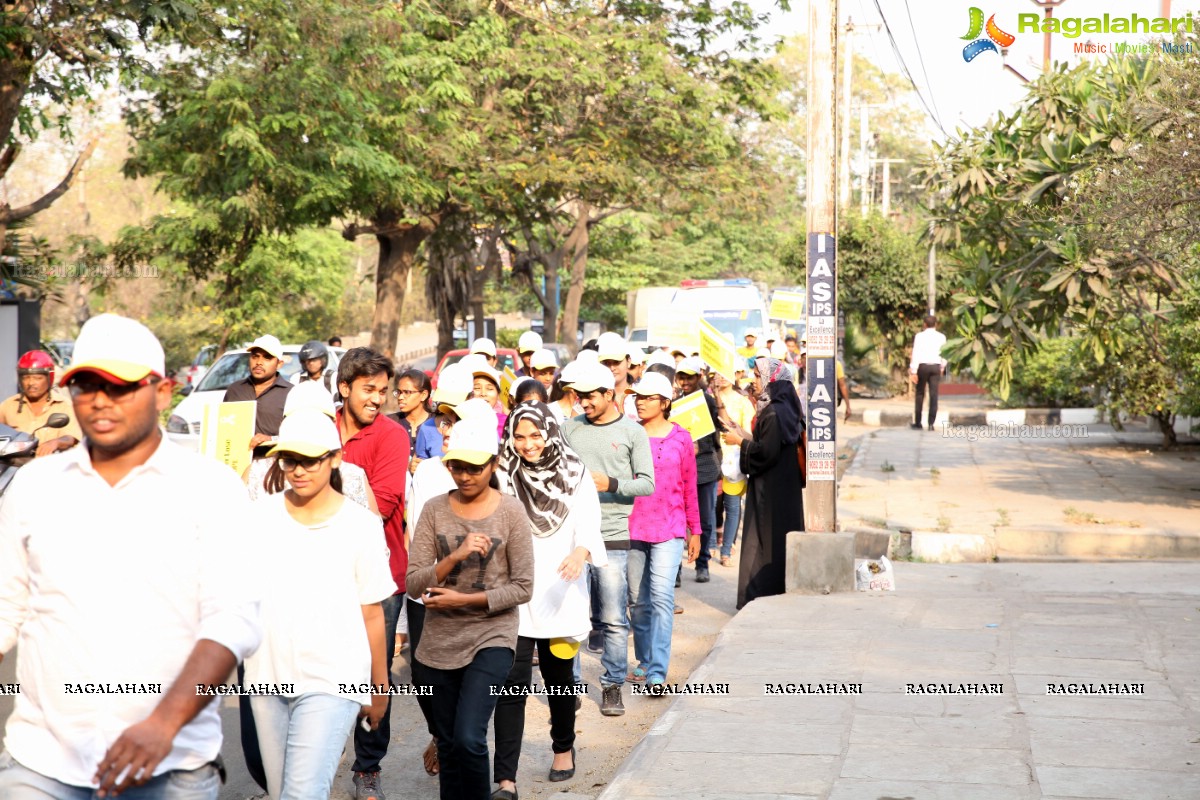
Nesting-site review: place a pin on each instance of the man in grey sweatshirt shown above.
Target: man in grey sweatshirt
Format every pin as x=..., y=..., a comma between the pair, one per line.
x=616, y=452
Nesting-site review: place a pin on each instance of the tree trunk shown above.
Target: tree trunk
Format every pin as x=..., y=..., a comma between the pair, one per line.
x=550, y=308
x=397, y=254
x=577, y=246
x=1166, y=426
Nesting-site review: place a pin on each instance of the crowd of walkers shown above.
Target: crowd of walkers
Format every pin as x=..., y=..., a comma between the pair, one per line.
x=488, y=526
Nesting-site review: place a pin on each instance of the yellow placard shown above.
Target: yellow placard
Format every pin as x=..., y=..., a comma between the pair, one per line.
x=717, y=351
x=673, y=327
x=225, y=433
x=787, y=306
x=507, y=379
x=691, y=412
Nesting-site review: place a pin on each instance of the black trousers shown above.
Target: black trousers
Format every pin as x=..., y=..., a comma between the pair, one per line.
x=927, y=375
x=250, y=751
x=416, y=625
x=510, y=710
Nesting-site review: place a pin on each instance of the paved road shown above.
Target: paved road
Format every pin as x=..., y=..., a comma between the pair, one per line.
x=1021, y=626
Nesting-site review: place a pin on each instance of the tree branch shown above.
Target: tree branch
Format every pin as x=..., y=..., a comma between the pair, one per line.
x=8, y=215
x=10, y=155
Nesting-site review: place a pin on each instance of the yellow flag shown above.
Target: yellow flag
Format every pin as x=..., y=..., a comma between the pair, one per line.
x=507, y=379
x=787, y=306
x=691, y=412
x=225, y=433
x=673, y=327
x=718, y=352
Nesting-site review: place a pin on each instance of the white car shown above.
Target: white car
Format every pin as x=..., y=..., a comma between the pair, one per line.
x=183, y=427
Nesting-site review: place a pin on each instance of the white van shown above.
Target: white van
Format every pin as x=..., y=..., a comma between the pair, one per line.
x=733, y=305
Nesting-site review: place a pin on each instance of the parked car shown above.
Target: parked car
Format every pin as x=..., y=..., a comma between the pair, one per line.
x=505, y=357
x=191, y=374
x=183, y=427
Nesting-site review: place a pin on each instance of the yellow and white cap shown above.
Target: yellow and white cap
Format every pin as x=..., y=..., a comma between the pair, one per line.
x=270, y=345
x=529, y=342
x=652, y=384
x=307, y=432
x=473, y=440
x=455, y=383
x=543, y=359
x=484, y=346
x=119, y=349
x=307, y=396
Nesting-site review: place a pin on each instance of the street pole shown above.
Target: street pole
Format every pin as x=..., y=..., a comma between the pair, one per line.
x=844, y=151
x=887, y=188
x=932, y=273
x=1049, y=5
x=865, y=159
x=821, y=272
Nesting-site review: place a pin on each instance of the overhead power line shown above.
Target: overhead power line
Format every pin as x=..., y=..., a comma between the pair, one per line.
x=906, y=71
x=921, y=57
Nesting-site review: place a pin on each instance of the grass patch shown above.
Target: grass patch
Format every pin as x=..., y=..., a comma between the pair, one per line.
x=1077, y=517
x=887, y=467
x=943, y=524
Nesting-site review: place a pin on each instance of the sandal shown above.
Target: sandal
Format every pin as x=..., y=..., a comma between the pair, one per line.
x=724, y=561
x=430, y=757
x=637, y=676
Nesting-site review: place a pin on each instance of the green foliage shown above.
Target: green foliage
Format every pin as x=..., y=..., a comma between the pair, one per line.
x=1079, y=214
x=1057, y=374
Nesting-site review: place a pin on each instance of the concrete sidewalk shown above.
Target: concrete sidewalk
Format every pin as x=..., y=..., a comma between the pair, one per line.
x=1022, y=626
x=1093, y=493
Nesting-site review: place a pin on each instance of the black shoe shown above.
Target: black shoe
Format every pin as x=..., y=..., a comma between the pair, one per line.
x=678, y=579
x=504, y=794
x=702, y=575
x=595, y=642
x=611, y=704
x=366, y=786
x=930, y=427
x=564, y=774
x=916, y=426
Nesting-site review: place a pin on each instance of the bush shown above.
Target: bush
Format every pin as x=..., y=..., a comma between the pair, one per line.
x=1056, y=375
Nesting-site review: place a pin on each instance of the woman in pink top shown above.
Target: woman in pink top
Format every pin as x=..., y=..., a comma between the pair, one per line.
x=658, y=526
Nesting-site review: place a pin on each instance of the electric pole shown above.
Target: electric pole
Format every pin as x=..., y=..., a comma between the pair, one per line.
x=821, y=272
x=844, y=152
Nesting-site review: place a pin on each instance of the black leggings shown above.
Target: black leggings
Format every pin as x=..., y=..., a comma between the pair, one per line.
x=416, y=625
x=510, y=710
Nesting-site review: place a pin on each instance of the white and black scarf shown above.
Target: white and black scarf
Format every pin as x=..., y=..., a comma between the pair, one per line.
x=545, y=487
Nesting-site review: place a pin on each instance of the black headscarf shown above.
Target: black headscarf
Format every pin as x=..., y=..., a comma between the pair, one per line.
x=545, y=487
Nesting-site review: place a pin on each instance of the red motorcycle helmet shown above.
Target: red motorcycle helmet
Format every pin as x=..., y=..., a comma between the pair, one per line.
x=36, y=362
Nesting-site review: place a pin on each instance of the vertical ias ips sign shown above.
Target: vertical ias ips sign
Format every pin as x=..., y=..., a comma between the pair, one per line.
x=822, y=354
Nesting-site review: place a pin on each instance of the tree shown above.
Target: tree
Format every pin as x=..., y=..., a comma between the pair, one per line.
x=54, y=53
x=1077, y=214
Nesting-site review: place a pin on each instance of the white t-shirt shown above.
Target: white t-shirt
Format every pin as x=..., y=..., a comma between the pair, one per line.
x=557, y=608
x=315, y=581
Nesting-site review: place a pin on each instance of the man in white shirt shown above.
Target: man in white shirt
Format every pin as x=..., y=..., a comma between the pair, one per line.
x=926, y=367
x=120, y=607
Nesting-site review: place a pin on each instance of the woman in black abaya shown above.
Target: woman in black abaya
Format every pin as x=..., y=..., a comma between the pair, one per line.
x=774, y=501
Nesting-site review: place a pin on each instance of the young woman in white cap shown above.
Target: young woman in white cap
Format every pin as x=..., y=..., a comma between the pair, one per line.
x=563, y=509
x=658, y=527
x=323, y=626
x=471, y=562
x=487, y=387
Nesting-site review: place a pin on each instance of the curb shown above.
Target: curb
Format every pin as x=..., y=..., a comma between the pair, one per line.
x=887, y=418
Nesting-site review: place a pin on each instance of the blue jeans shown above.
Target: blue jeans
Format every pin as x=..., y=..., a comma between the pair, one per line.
x=463, y=702
x=733, y=518
x=707, y=497
x=21, y=783
x=652, y=569
x=301, y=740
x=371, y=746
x=610, y=596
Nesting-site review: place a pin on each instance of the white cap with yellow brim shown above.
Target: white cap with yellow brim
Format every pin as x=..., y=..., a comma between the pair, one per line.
x=473, y=441
x=307, y=432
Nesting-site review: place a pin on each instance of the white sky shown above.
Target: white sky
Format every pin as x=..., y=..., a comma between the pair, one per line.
x=967, y=94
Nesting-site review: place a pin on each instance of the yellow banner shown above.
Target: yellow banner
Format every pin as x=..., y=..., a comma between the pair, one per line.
x=718, y=352
x=691, y=412
x=225, y=433
x=507, y=379
x=787, y=306
x=675, y=328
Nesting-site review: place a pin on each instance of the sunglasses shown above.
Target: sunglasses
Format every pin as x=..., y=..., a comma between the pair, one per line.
x=289, y=463
x=461, y=467
x=84, y=388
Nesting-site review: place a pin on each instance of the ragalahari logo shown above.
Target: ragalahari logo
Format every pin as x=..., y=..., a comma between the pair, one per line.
x=994, y=37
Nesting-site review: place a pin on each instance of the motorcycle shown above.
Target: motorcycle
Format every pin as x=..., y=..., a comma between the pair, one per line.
x=18, y=448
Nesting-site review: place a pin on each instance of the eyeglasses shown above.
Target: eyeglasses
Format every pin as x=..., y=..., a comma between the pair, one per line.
x=405, y=392
x=460, y=467
x=85, y=388
x=444, y=423
x=289, y=463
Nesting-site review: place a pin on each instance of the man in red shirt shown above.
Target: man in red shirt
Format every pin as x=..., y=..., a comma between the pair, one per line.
x=380, y=446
